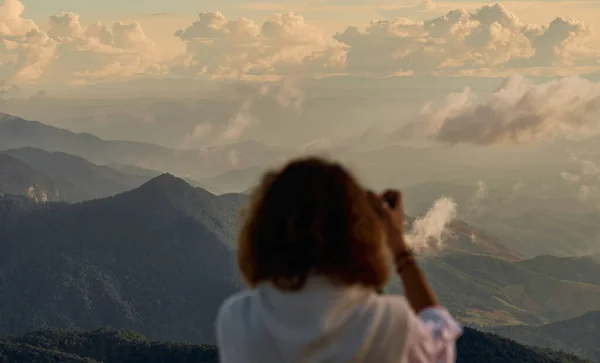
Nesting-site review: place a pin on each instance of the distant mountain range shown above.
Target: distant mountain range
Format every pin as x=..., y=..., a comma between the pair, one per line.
x=147, y=251
x=66, y=177
x=18, y=133
x=117, y=346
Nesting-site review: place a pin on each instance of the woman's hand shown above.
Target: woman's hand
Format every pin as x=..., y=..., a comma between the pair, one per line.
x=389, y=207
x=394, y=220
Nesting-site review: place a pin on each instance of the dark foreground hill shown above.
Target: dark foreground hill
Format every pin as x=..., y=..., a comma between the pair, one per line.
x=578, y=335
x=155, y=259
x=118, y=346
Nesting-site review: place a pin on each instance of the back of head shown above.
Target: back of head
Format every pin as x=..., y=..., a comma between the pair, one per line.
x=311, y=216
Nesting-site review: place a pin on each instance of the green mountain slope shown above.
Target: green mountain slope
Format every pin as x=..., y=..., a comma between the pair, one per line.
x=578, y=335
x=117, y=346
x=483, y=290
x=144, y=260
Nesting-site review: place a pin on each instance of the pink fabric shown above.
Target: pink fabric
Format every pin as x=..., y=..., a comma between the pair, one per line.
x=432, y=337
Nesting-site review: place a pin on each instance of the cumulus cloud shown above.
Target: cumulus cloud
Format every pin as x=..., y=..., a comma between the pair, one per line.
x=431, y=231
x=70, y=51
x=223, y=48
x=424, y=9
x=462, y=43
x=489, y=40
x=98, y=51
x=586, y=178
x=24, y=49
x=519, y=112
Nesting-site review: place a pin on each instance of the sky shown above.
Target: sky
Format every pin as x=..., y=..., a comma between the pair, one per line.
x=70, y=43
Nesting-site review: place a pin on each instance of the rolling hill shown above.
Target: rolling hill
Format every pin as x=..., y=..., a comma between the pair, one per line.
x=77, y=178
x=578, y=335
x=19, y=178
x=119, y=346
x=529, y=221
x=485, y=291
x=144, y=259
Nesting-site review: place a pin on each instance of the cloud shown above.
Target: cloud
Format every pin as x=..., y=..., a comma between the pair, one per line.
x=70, y=52
x=488, y=41
x=285, y=93
x=423, y=9
x=200, y=133
x=491, y=38
x=238, y=124
x=586, y=178
x=222, y=48
x=519, y=112
x=569, y=177
x=474, y=205
x=101, y=52
x=430, y=231
x=24, y=49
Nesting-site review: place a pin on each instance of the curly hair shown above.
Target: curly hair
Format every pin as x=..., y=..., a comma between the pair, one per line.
x=311, y=216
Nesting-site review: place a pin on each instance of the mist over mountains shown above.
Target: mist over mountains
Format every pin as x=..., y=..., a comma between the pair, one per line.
x=113, y=240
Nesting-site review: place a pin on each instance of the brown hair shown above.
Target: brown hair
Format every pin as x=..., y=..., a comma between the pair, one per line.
x=311, y=216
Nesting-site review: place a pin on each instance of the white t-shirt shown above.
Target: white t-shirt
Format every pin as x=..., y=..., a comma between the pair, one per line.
x=327, y=323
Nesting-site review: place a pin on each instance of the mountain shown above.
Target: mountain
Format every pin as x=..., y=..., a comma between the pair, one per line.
x=235, y=181
x=78, y=178
x=486, y=291
x=477, y=347
x=529, y=219
x=583, y=269
x=465, y=238
x=118, y=346
x=17, y=133
x=155, y=259
x=103, y=345
x=145, y=260
x=578, y=335
x=150, y=173
x=19, y=178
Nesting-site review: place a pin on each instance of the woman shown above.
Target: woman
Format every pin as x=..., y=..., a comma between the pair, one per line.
x=314, y=249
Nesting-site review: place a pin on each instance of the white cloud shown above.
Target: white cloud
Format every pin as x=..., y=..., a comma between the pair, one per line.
x=24, y=49
x=70, y=51
x=284, y=93
x=519, y=112
x=488, y=41
x=101, y=52
x=431, y=231
x=200, y=133
x=462, y=43
x=223, y=48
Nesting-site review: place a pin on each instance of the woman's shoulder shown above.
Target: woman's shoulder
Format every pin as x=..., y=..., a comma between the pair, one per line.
x=393, y=305
x=234, y=306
